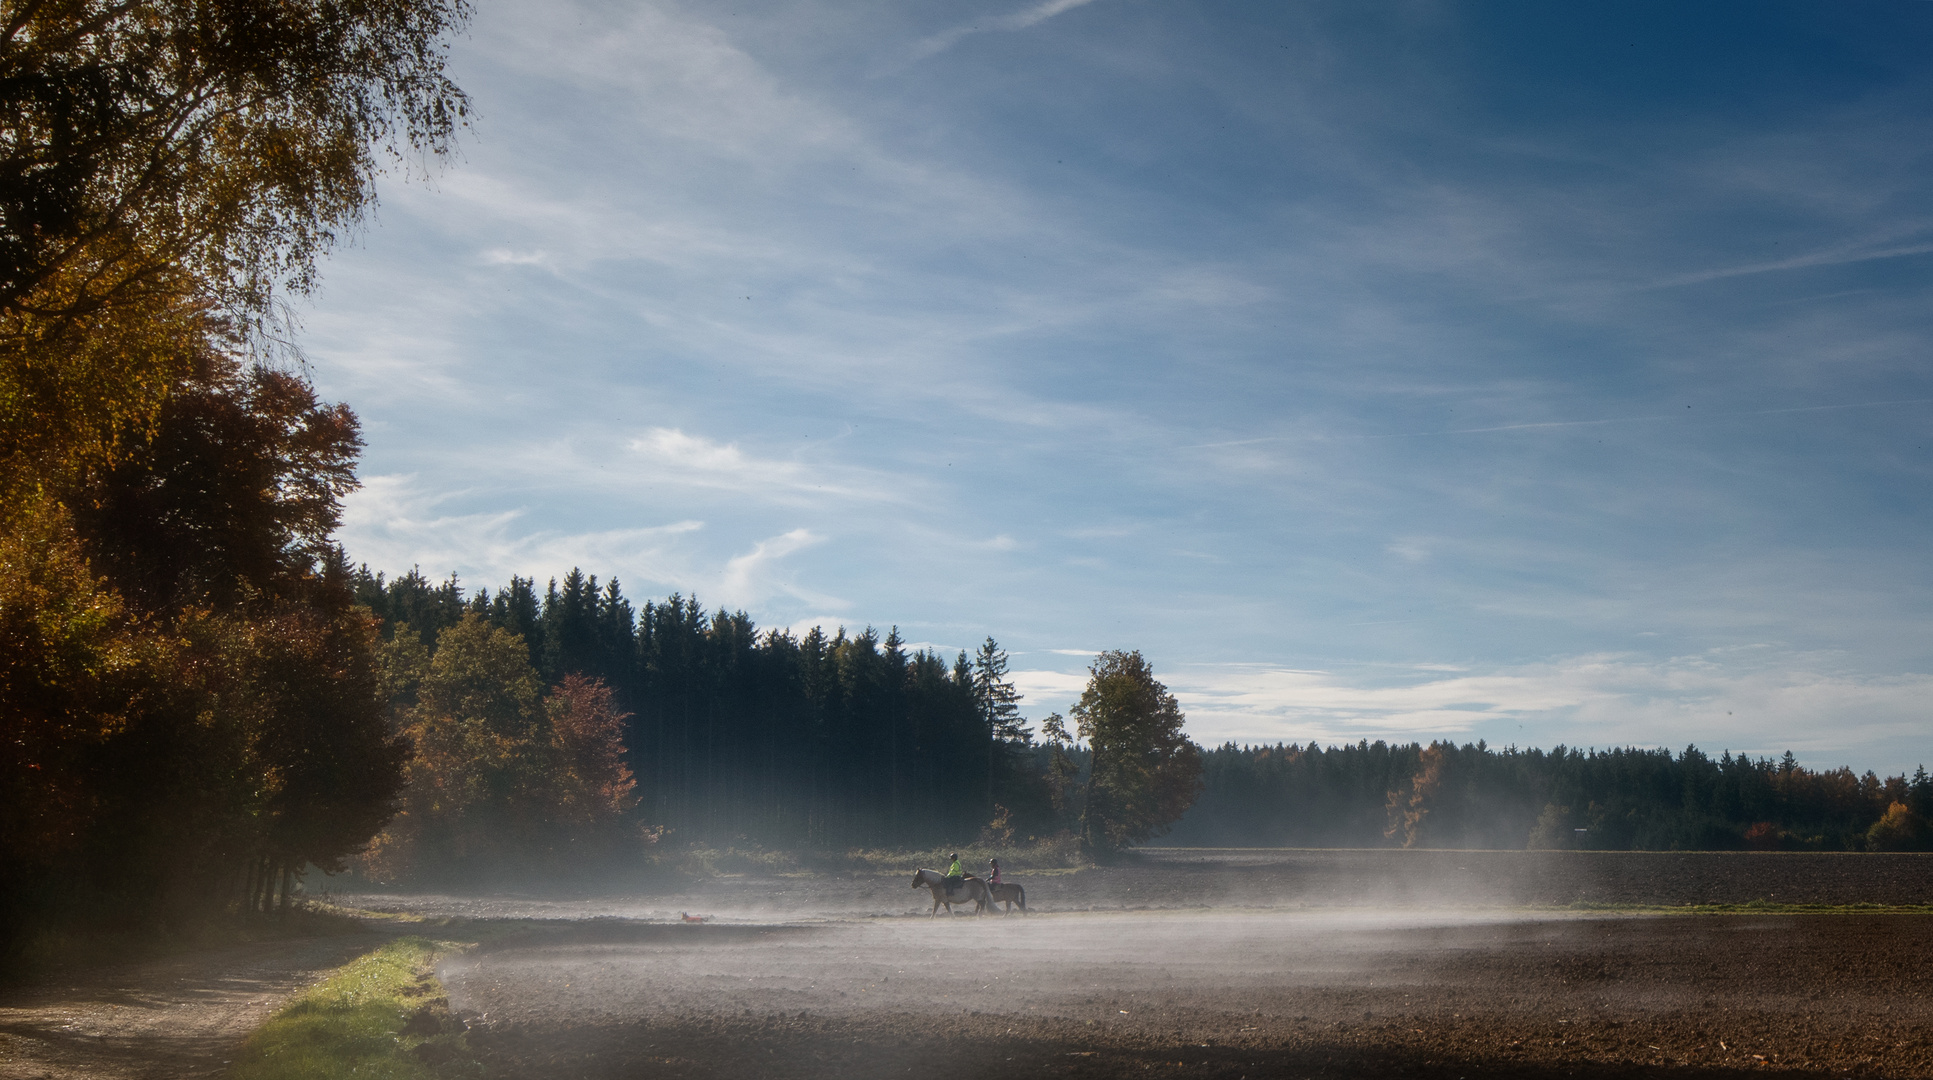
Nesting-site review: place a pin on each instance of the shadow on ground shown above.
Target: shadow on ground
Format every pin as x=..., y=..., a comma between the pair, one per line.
x=810, y=1048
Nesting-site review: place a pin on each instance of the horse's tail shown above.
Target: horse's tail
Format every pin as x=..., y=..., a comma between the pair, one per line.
x=1020, y=895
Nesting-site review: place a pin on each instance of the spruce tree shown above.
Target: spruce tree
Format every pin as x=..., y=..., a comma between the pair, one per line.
x=998, y=703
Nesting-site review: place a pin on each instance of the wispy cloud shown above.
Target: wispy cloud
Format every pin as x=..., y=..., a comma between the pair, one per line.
x=1832, y=257
x=757, y=574
x=1763, y=705
x=507, y=257
x=395, y=522
x=1040, y=687
x=671, y=455
x=1019, y=20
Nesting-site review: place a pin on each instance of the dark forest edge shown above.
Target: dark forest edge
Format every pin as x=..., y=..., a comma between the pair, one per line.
x=816, y=702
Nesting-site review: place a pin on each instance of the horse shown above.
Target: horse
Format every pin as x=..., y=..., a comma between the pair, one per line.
x=1009, y=893
x=973, y=888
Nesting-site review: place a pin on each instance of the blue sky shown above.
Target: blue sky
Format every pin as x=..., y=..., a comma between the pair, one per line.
x=1537, y=373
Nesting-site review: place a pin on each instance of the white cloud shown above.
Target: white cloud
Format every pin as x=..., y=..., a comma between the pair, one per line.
x=1781, y=701
x=393, y=524
x=1019, y=20
x=754, y=576
x=506, y=257
x=1413, y=550
x=673, y=456
x=1041, y=687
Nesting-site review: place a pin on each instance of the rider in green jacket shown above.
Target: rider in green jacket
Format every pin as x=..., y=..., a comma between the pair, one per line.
x=955, y=877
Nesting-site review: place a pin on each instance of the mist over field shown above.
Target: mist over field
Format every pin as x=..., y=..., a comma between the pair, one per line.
x=1358, y=963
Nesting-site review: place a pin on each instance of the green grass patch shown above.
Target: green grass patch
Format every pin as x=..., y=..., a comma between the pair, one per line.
x=383, y=1016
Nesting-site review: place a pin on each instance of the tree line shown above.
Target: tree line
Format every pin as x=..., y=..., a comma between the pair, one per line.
x=190, y=698
x=740, y=736
x=1374, y=794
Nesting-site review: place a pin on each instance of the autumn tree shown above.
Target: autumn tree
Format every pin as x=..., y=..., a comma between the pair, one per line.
x=1144, y=773
x=502, y=774
x=324, y=767
x=171, y=167
x=1899, y=829
x=232, y=498
x=190, y=699
x=590, y=783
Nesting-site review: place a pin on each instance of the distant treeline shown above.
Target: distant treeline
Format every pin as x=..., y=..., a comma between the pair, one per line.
x=747, y=736
x=1477, y=796
x=742, y=736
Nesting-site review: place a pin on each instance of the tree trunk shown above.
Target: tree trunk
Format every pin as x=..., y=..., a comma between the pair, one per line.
x=248, y=887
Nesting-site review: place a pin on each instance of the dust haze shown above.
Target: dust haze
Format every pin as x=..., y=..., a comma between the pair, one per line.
x=1219, y=963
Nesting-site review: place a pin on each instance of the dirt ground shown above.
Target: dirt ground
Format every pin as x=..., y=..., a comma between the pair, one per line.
x=1225, y=964
x=1222, y=963
x=1224, y=994
x=1163, y=878
x=178, y=1017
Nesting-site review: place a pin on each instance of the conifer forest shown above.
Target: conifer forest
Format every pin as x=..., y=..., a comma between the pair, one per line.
x=738, y=735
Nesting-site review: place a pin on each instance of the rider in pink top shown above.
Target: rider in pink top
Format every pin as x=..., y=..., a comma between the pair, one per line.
x=994, y=878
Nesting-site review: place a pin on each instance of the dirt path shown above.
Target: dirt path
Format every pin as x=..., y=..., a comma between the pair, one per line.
x=178, y=1017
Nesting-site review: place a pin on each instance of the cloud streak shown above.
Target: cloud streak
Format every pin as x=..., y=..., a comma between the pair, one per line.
x=1774, y=702
x=672, y=456
x=757, y=574
x=1019, y=20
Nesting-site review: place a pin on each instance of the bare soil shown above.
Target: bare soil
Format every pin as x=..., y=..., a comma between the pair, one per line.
x=1227, y=964
x=1277, y=879
x=1222, y=996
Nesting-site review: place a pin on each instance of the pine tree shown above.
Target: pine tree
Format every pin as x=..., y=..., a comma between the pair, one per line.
x=998, y=703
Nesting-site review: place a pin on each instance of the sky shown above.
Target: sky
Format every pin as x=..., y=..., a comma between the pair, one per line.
x=1543, y=374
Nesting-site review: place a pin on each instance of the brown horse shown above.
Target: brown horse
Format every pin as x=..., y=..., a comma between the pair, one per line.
x=971, y=889
x=1009, y=893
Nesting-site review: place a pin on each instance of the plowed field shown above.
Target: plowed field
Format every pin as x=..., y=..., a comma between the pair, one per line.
x=1226, y=964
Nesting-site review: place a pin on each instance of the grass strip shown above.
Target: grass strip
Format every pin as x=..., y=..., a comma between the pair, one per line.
x=382, y=1016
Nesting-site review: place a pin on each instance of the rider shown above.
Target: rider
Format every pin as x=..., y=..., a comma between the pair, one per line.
x=955, y=877
x=994, y=877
